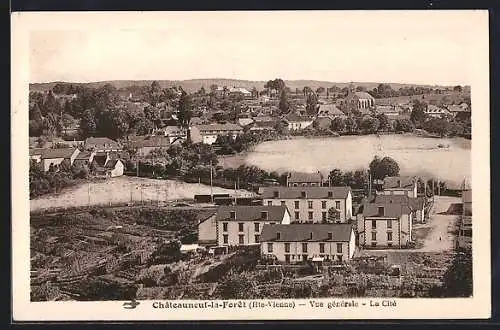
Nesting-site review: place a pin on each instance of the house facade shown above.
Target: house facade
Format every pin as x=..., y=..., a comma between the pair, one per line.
x=54, y=157
x=145, y=145
x=297, y=243
x=399, y=185
x=297, y=179
x=207, y=230
x=467, y=202
x=381, y=225
x=295, y=122
x=416, y=204
x=312, y=204
x=436, y=112
x=242, y=225
x=84, y=158
x=208, y=134
x=173, y=133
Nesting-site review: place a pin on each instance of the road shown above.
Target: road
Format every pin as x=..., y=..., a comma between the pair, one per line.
x=440, y=237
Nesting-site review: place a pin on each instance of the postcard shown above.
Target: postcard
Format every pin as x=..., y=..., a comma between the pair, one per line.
x=244, y=165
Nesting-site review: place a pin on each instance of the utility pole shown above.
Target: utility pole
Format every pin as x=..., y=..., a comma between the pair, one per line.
x=439, y=188
x=88, y=191
x=211, y=189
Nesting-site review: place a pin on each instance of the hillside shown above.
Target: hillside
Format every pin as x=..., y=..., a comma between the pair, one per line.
x=192, y=85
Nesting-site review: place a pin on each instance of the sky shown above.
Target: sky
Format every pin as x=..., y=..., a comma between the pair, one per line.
x=428, y=47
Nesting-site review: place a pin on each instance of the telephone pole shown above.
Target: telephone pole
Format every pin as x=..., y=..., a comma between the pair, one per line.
x=211, y=189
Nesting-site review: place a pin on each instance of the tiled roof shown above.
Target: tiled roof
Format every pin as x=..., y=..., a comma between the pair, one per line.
x=326, y=110
x=293, y=117
x=458, y=108
x=390, y=210
x=154, y=141
x=392, y=182
x=300, y=177
x=100, y=141
x=306, y=233
x=434, y=109
x=363, y=95
x=219, y=127
x=174, y=130
x=415, y=203
x=250, y=213
x=311, y=192
x=58, y=153
x=111, y=163
x=84, y=155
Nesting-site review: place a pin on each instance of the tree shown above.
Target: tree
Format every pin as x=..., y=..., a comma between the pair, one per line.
x=438, y=126
x=255, y=92
x=307, y=90
x=418, y=115
x=284, y=105
x=88, y=124
x=383, y=122
x=320, y=90
x=370, y=124
x=335, y=177
x=237, y=286
x=153, y=114
x=458, y=278
x=311, y=103
x=338, y=124
x=457, y=88
x=350, y=125
x=381, y=168
x=184, y=110
x=403, y=125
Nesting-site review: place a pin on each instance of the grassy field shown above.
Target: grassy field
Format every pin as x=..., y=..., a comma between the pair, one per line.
x=415, y=155
x=122, y=190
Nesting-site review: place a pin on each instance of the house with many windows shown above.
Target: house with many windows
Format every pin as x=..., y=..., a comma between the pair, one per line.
x=312, y=204
x=298, y=179
x=384, y=225
x=416, y=204
x=399, y=185
x=208, y=134
x=242, y=225
x=296, y=243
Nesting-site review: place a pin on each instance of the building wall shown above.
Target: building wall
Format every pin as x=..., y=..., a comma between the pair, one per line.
x=118, y=170
x=46, y=162
x=207, y=230
x=401, y=231
x=313, y=250
x=317, y=209
x=299, y=125
x=233, y=231
x=467, y=208
x=304, y=184
x=401, y=191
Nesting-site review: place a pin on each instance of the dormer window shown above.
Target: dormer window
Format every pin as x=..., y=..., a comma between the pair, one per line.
x=330, y=236
x=278, y=235
x=232, y=215
x=381, y=211
x=330, y=194
x=263, y=215
x=303, y=194
x=276, y=194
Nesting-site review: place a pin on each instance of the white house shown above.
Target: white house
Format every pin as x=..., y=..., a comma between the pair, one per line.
x=295, y=122
x=436, y=112
x=296, y=243
x=400, y=185
x=55, y=157
x=102, y=144
x=312, y=204
x=242, y=225
x=208, y=134
x=384, y=225
x=416, y=204
x=173, y=133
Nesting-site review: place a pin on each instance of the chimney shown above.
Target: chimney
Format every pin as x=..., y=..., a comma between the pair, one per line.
x=381, y=211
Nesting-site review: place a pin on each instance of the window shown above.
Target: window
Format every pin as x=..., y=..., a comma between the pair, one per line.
x=257, y=238
x=389, y=224
x=374, y=236
x=257, y=226
x=269, y=203
x=339, y=257
x=323, y=216
x=270, y=247
x=304, y=247
x=297, y=216
x=241, y=239
x=232, y=215
x=296, y=204
x=224, y=226
x=240, y=226
x=287, y=247
x=224, y=237
x=330, y=194
x=263, y=215
x=310, y=204
x=321, y=247
x=283, y=203
x=389, y=236
x=339, y=247
x=304, y=257
x=310, y=215
x=276, y=194
x=381, y=211
x=287, y=258
x=303, y=194
x=323, y=204
x=278, y=235
x=374, y=244
x=337, y=205
x=330, y=236
x=374, y=224
x=389, y=244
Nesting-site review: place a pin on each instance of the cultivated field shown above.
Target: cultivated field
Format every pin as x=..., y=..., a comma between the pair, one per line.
x=122, y=190
x=415, y=155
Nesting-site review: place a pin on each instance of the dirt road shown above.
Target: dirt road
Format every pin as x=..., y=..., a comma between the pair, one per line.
x=440, y=236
